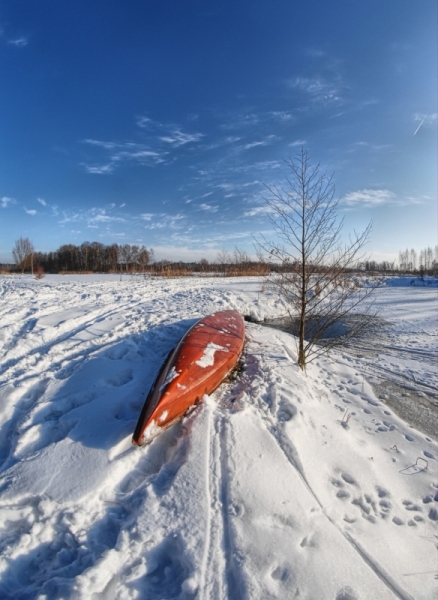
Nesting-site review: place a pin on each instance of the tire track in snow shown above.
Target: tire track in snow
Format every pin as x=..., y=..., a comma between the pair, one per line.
x=292, y=456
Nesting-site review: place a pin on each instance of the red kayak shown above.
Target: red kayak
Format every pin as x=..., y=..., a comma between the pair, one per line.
x=197, y=366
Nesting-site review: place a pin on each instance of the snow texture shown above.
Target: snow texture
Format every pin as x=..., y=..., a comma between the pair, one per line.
x=280, y=485
x=207, y=359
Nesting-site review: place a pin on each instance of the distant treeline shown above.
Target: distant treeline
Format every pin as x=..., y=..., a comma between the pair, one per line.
x=425, y=261
x=89, y=257
x=95, y=257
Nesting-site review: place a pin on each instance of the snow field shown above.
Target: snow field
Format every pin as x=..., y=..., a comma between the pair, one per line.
x=262, y=492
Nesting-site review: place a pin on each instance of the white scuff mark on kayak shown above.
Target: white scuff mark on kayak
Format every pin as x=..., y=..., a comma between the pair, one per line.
x=163, y=416
x=207, y=359
x=172, y=374
x=180, y=386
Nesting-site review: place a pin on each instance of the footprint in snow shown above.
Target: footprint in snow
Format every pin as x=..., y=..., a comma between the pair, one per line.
x=346, y=593
x=281, y=573
x=433, y=514
x=116, y=353
x=121, y=378
x=286, y=413
x=168, y=570
x=382, y=492
x=409, y=505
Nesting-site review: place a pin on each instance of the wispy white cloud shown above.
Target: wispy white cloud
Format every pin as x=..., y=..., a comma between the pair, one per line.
x=5, y=201
x=93, y=217
x=368, y=198
x=247, y=120
x=297, y=143
x=420, y=199
x=171, y=134
x=101, y=144
x=318, y=89
x=42, y=201
x=373, y=198
x=30, y=211
x=428, y=119
x=144, y=121
x=19, y=42
x=102, y=217
x=163, y=220
x=142, y=156
x=367, y=146
x=256, y=211
x=100, y=169
x=282, y=115
x=123, y=152
x=208, y=207
x=177, y=138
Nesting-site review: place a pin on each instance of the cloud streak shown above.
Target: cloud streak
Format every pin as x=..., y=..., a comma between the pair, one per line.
x=318, y=89
x=6, y=201
x=19, y=42
x=154, y=153
x=368, y=198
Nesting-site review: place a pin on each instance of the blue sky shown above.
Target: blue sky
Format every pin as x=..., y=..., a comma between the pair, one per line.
x=156, y=121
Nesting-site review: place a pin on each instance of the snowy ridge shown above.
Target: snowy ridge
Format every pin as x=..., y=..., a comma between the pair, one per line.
x=279, y=485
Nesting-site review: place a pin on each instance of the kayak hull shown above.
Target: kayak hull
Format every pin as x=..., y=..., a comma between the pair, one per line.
x=197, y=366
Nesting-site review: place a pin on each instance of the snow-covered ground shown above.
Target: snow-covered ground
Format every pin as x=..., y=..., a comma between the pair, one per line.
x=265, y=491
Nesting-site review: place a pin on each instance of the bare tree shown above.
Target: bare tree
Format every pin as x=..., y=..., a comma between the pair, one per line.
x=313, y=267
x=223, y=259
x=22, y=252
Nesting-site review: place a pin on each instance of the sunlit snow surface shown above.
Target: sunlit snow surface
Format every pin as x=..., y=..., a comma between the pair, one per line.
x=260, y=493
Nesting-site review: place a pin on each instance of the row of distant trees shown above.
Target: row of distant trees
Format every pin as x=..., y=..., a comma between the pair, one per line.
x=425, y=260
x=97, y=257
x=86, y=258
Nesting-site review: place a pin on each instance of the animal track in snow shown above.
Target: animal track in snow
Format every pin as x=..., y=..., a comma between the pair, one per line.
x=348, y=478
x=342, y=494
